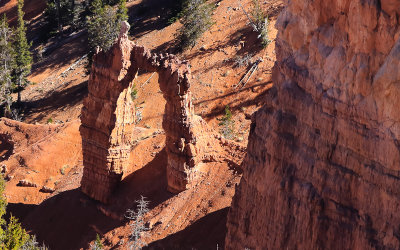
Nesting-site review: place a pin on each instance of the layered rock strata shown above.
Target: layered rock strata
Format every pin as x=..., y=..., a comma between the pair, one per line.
x=108, y=117
x=322, y=169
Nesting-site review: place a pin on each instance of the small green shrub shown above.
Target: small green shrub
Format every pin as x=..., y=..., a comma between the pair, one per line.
x=50, y=120
x=227, y=125
x=104, y=25
x=134, y=92
x=97, y=244
x=62, y=170
x=261, y=23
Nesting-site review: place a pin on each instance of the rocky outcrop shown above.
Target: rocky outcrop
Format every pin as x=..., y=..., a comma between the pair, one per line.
x=26, y=183
x=108, y=117
x=322, y=169
x=47, y=189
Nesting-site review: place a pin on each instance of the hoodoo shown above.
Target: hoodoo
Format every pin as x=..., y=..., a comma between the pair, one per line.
x=322, y=169
x=108, y=116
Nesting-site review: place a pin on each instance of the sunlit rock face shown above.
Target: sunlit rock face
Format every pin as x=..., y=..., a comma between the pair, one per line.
x=322, y=169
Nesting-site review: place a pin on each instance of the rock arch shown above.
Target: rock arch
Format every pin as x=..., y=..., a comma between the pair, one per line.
x=108, y=116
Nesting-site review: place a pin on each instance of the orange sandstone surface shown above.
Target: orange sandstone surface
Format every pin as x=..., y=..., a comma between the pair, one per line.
x=322, y=169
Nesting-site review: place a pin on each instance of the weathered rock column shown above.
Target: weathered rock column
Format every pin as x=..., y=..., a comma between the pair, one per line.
x=107, y=121
x=178, y=125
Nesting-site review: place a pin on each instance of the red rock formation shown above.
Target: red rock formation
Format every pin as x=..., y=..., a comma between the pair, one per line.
x=108, y=118
x=322, y=169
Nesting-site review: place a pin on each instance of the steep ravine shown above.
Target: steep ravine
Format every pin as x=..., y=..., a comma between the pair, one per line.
x=322, y=169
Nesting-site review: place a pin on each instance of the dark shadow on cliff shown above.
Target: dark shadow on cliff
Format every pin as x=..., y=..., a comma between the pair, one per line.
x=62, y=99
x=205, y=233
x=68, y=220
x=149, y=181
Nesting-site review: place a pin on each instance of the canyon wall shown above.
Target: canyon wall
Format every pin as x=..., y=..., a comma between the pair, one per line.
x=322, y=169
x=108, y=116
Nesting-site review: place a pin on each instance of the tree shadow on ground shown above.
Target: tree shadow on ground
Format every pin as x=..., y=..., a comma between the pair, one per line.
x=250, y=46
x=62, y=54
x=61, y=99
x=206, y=233
x=246, y=35
x=250, y=43
x=150, y=15
x=237, y=104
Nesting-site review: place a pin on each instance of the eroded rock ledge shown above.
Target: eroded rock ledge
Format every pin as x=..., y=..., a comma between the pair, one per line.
x=108, y=117
x=322, y=169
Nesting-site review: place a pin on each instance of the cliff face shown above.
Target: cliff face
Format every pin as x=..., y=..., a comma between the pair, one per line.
x=322, y=169
x=108, y=116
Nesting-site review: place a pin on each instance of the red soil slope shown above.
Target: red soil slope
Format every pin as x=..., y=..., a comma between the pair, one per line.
x=32, y=8
x=66, y=219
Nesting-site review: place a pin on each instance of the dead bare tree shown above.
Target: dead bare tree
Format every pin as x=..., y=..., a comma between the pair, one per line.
x=139, y=230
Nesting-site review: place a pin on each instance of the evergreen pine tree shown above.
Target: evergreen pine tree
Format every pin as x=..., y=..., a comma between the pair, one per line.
x=97, y=244
x=12, y=235
x=3, y=205
x=78, y=14
x=227, y=125
x=102, y=28
x=196, y=19
x=59, y=21
x=23, y=58
x=104, y=25
x=122, y=11
x=6, y=65
x=96, y=7
x=60, y=13
x=15, y=235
